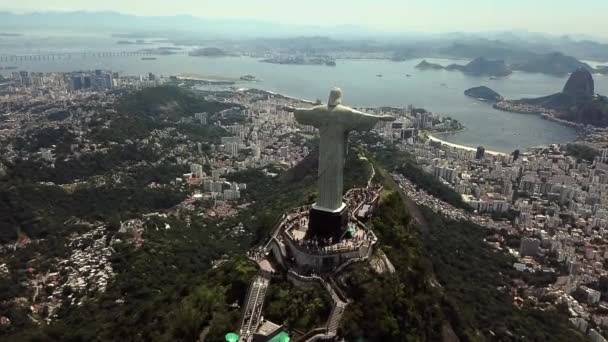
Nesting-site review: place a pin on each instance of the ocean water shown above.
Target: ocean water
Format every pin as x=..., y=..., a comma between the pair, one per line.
x=438, y=91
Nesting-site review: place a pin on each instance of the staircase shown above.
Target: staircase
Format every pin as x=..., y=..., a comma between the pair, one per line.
x=335, y=317
x=253, y=308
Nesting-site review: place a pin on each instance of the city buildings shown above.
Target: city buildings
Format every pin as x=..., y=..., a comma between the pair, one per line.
x=553, y=204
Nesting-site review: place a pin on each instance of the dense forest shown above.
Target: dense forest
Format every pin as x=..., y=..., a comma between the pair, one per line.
x=402, y=306
x=296, y=307
x=582, y=152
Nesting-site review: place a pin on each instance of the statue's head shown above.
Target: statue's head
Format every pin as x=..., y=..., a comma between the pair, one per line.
x=335, y=97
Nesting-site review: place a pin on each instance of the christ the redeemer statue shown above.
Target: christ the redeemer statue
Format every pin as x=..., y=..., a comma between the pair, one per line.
x=334, y=121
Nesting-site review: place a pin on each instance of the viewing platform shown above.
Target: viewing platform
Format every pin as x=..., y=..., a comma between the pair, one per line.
x=294, y=249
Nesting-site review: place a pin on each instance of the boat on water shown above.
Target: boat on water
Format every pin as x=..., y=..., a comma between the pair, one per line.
x=148, y=58
x=379, y=75
x=9, y=68
x=443, y=85
x=408, y=75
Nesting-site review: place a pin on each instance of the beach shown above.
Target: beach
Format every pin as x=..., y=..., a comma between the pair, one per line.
x=474, y=149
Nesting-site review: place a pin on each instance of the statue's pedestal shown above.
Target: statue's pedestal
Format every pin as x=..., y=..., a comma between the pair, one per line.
x=325, y=224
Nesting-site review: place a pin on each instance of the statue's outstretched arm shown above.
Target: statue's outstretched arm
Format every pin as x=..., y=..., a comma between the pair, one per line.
x=373, y=116
x=305, y=116
x=360, y=121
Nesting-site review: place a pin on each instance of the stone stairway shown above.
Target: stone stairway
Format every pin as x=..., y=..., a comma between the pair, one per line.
x=335, y=317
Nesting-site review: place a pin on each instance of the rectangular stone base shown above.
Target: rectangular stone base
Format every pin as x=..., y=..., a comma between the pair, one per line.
x=326, y=224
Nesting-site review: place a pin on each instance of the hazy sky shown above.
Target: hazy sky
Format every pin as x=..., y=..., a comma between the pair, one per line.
x=551, y=16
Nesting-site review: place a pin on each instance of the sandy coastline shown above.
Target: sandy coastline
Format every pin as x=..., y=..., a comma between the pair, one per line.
x=276, y=94
x=462, y=147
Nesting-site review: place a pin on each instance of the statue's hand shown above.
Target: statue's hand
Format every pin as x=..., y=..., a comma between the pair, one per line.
x=289, y=109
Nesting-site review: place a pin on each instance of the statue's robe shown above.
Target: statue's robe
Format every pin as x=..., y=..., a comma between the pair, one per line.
x=334, y=123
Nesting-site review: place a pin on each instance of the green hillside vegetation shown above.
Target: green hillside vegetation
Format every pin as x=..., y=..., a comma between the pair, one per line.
x=167, y=103
x=46, y=138
x=483, y=67
x=582, y=152
x=402, y=306
x=594, y=112
x=551, y=63
x=141, y=112
x=577, y=102
x=296, y=307
x=41, y=210
x=484, y=93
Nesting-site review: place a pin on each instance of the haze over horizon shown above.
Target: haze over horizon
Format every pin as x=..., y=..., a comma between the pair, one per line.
x=430, y=16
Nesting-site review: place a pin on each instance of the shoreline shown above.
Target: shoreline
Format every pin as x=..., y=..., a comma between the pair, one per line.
x=430, y=136
x=244, y=89
x=463, y=147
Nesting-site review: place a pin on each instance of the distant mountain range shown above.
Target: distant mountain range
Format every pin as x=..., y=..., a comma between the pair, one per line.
x=551, y=63
x=533, y=52
x=515, y=49
x=555, y=63
x=140, y=26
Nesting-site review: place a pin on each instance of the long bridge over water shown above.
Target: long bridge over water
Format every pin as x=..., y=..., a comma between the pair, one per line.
x=92, y=54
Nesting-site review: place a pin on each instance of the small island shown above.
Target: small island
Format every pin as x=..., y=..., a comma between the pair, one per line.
x=477, y=67
x=484, y=93
x=129, y=42
x=424, y=65
x=301, y=60
x=483, y=67
x=208, y=52
x=248, y=78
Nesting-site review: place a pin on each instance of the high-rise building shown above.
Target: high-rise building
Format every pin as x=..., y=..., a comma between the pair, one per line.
x=16, y=76
x=76, y=82
x=481, y=153
x=233, y=148
x=283, y=152
x=217, y=187
x=24, y=77
x=424, y=120
x=201, y=118
x=86, y=82
x=197, y=170
x=256, y=152
x=208, y=185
